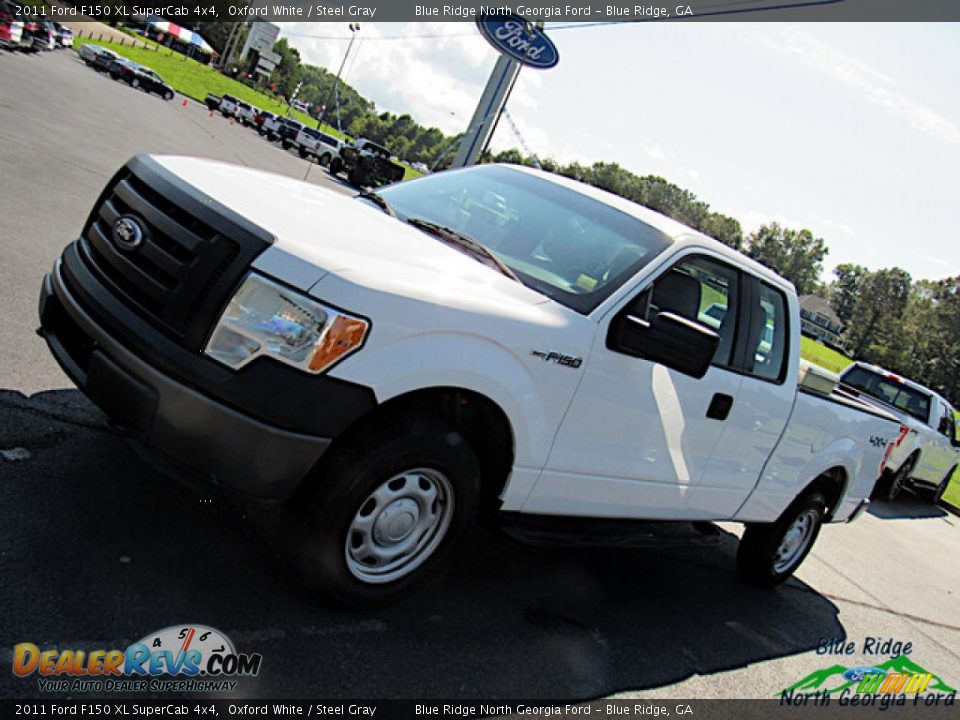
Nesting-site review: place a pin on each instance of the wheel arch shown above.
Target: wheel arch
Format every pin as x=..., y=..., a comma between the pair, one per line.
x=483, y=423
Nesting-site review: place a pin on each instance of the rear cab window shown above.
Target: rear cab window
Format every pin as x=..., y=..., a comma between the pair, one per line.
x=890, y=390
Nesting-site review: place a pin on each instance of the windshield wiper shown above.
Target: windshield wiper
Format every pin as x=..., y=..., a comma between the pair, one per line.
x=379, y=201
x=465, y=243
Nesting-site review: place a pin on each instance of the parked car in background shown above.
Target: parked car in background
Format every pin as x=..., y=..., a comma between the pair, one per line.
x=926, y=455
x=11, y=29
x=271, y=127
x=247, y=113
x=64, y=35
x=212, y=101
x=367, y=164
x=228, y=106
x=140, y=77
x=45, y=36
x=288, y=131
x=262, y=117
x=97, y=57
x=312, y=143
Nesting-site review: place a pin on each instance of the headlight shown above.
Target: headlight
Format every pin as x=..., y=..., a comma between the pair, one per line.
x=265, y=318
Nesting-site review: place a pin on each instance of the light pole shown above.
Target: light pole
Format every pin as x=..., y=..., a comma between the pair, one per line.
x=354, y=27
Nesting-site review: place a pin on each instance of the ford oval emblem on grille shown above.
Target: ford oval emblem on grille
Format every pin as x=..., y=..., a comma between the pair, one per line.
x=127, y=233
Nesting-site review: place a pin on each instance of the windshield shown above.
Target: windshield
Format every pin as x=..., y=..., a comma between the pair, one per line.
x=572, y=248
x=890, y=391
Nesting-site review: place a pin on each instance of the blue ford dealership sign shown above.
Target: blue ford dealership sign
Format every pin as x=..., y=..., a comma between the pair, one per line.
x=515, y=37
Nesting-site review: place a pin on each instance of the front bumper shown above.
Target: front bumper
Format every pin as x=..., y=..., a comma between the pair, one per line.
x=183, y=429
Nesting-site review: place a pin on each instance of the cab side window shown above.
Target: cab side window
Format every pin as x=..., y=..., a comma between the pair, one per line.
x=768, y=339
x=704, y=291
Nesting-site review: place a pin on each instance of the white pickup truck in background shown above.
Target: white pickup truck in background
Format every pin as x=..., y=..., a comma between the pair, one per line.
x=312, y=143
x=926, y=453
x=493, y=341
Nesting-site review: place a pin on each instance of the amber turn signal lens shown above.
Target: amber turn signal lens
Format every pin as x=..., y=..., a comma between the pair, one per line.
x=344, y=335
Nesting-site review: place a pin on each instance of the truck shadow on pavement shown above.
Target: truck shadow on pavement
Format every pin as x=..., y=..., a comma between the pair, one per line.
x=907, y=506
x=115, y=551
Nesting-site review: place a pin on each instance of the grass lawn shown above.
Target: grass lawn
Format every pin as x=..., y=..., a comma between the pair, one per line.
x=952, y=494
x=823, y=356
x=195, y=80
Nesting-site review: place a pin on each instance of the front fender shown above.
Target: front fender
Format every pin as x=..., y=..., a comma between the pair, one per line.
x=462, y=360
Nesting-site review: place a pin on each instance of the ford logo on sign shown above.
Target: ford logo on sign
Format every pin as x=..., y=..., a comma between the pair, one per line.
x=127, y=233
x=516, y=38
x=856, y=674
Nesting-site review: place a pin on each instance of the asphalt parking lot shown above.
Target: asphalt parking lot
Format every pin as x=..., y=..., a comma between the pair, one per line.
x=97, y=550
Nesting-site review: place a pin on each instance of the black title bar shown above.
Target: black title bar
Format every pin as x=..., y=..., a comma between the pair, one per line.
x=586, y=11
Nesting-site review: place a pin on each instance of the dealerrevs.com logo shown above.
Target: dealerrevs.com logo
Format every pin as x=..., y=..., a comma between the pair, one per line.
x=183, y=658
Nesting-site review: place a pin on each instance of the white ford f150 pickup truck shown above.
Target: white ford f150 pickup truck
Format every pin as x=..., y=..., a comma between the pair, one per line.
x=494, y=342
x=925, y=455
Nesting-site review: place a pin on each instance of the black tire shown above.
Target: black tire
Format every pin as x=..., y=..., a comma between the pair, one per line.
x=325, y=159
x=285, y=144
x=758, y=553
x=135, y=83
x=355, y=176
x=168, y=96
x=302, y=152
x=336, y=165
x=890, y=485
x=942, y=487
x=323, y=516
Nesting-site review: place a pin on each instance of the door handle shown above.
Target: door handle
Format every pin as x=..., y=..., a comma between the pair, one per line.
x=720, y=407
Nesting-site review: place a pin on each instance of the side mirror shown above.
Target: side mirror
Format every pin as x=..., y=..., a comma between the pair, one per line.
x=668, y=339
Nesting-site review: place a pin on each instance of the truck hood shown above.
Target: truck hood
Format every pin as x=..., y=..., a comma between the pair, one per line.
x=350, y=238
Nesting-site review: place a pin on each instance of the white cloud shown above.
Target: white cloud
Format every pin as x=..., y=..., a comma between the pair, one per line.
x=433, y=71
x=873, y=84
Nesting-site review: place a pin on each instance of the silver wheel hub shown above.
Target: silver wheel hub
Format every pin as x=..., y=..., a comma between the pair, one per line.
x=795, y=541
x=399, y=525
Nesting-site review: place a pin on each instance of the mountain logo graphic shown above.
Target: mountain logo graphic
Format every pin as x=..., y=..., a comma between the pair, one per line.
x=898, y=675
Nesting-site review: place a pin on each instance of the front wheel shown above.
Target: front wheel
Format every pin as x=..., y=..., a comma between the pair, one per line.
x=168, y=96
x=769, y=554
x=325, y=159
x=135, y=84
x=385, y=511
x=336, y=165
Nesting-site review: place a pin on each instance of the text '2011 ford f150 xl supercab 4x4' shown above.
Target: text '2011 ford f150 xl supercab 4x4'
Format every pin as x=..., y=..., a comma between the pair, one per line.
x=492, y=341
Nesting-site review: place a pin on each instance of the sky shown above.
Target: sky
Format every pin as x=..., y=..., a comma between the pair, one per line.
x=851, y=130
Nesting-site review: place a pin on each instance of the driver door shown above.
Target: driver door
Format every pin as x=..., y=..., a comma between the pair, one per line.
x=638, y=438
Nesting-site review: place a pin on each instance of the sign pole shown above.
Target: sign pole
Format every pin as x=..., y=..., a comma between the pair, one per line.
x=488, y=110
x=519, y=43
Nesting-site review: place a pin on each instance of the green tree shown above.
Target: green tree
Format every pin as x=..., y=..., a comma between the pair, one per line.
x=845, y=290
x=875, y=319
x=795, y=254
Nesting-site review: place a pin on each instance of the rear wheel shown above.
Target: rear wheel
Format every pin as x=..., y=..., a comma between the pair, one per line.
x=385, y=512
x=891, y=484
x=336, y=165
x=303, y=153
x=325, y=159
x=285, y=144
x=135, y=83
x=168, y=96
x=769, y=554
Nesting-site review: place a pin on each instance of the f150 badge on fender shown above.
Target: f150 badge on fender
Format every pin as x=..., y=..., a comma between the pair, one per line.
x=558, y=358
